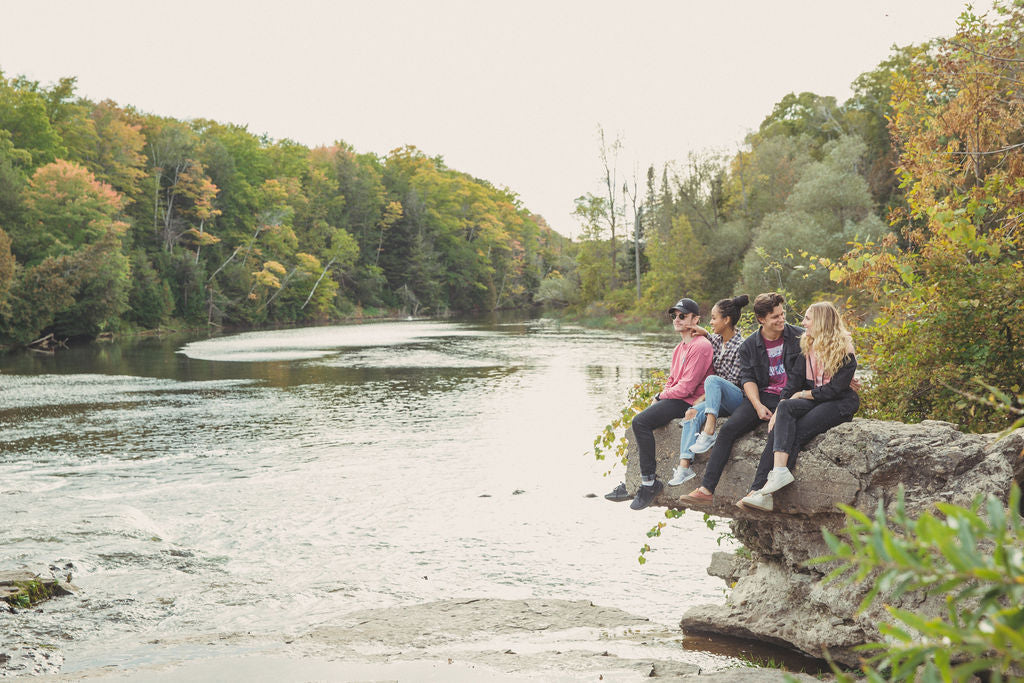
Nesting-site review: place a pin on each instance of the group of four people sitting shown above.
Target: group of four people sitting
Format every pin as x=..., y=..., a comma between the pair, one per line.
x=800, y=380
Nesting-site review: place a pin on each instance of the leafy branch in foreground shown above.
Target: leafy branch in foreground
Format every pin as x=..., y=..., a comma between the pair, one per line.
x=640, y=396
x=973, y=557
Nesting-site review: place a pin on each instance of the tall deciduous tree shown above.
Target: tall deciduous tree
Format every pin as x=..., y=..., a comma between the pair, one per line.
x=951, y=283
x=66, y=207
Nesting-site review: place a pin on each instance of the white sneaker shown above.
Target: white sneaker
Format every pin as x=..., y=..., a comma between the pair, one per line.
x=777, y=479
x=758, y=501
x=681, y=475
x=703, y=443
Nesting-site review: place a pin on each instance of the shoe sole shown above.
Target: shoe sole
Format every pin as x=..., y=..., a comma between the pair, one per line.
x=696, y=501
x=658, y=492
x=751, y=506
x=712, y=445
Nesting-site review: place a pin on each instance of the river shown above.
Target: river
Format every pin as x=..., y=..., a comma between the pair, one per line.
x=267, y=482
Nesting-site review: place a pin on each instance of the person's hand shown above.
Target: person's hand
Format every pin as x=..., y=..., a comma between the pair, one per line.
x=697, y=329
x=690, y=414
x=763, y=412
x=855, y=384
x=771, y=422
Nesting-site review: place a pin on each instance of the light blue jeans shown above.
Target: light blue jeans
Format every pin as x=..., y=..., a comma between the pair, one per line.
x=721, y=397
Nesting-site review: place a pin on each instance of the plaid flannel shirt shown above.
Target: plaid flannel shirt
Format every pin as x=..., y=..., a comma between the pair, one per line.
x=727, y=356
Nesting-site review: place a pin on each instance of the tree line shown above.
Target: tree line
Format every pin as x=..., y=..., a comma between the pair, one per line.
x=112, y=219
x=905, y=203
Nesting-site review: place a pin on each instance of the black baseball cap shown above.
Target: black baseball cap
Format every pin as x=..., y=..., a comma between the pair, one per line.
x=686, y=306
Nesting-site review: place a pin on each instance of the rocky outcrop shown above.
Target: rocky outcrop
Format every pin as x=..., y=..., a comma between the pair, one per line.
x=22, y=588
x=778, y=598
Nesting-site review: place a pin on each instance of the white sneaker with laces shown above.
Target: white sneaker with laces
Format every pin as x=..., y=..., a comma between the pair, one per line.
x=703, y=443
x=681, y=475
x=777, y=479
x=758, y=501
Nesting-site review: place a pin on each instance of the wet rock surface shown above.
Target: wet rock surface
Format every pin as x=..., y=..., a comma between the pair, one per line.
x=777, y=598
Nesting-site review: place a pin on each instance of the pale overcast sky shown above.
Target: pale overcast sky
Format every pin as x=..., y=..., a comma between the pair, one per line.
x=512, y=92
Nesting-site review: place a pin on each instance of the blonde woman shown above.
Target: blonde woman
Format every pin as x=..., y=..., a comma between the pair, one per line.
x=817, y=397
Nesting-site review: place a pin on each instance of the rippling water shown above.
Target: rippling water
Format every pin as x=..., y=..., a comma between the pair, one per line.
x=267, y=482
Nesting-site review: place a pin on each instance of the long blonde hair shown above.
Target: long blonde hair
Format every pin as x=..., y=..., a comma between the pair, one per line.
x=831, y=342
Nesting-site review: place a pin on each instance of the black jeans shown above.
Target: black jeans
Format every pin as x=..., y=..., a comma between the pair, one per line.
x=797, y=421
x=658, y=414
x=744, y=419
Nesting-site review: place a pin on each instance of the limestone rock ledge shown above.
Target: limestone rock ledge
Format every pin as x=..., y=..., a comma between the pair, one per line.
x=776, y=597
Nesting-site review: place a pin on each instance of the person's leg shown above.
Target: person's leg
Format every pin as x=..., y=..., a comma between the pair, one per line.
x=744, y=419
x=656, y=415
x=690, y=428
x=732, y=398
x=764, y=465
x=817, y=422
x=788, y=415
x=755, y=498
x=683, y=473
x=713, y=388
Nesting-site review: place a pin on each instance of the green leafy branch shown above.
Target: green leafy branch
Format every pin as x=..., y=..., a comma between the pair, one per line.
x=610, y=440
x=972, y=556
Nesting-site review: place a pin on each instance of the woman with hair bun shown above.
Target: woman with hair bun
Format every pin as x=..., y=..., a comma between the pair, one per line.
x=817, y=397
x=722, y=392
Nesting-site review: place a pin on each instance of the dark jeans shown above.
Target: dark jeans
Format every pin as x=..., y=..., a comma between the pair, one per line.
x=744, y=419
x=658, y=414
x=797, y=421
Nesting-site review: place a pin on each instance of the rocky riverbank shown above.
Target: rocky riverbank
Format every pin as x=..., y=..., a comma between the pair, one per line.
x=467, y=639
x=776, y=597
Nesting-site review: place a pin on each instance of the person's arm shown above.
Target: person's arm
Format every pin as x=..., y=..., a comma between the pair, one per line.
x=839, y=383
x=796, y=378
x=753, y=394
x=748, y=377
x=747, y=361
x=694, y=370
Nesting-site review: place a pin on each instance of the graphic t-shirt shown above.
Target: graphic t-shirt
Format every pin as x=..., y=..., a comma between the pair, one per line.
x=776, y=370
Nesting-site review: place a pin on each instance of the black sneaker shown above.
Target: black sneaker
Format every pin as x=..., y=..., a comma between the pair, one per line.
x=618, y=494
x=646, y=494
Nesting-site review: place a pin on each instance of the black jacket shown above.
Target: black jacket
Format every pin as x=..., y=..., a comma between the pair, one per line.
x=835, y=389
x=754, y=356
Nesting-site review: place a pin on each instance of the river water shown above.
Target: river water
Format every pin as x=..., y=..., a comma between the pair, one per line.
x=267, y=482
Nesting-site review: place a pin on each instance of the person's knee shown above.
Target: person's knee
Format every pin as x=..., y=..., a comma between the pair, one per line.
x=784, y=408
x=642, y=421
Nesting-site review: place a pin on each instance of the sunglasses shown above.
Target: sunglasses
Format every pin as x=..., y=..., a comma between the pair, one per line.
x=673, y=316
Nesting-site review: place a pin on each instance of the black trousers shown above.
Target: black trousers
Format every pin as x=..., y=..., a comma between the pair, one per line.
x=744, y=419
x=797, y=421
x=658, y=414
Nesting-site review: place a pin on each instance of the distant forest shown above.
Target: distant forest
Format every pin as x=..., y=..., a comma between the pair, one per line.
x=113, y=220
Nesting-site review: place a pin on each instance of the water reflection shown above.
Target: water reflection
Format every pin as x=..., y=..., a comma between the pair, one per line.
x=269, y=482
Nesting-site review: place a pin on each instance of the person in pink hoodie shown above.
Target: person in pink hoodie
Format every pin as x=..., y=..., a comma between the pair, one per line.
x=691, y=364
